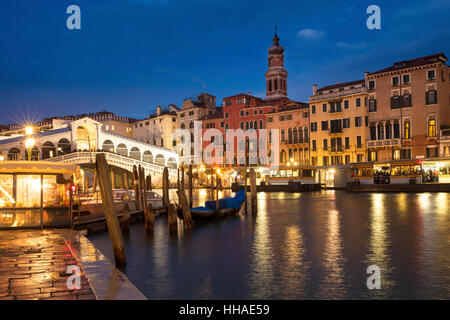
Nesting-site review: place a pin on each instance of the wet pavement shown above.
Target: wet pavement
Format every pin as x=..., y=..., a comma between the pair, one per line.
x=33, y=266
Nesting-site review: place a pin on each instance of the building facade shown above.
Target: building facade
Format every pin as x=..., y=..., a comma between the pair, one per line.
x=157, y=129
x=292, y=123
x=408, y=104
x=338, y=123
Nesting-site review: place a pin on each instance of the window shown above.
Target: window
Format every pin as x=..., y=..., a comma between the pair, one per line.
x=431, y=74
x=396, y=129
x=313, y=126
x=226, y=114
x=380, y=131
x=269, y=119
x=406, y=78
x=372, y=105
x=336, y=126
x=358, y=142
x=407, y=130
x=407, y=100
x=275, y=84
x=347, y=143
x=395, y=102
x=324, y=107
x=324, y=125
x=388, y=130
x=283, y=135
x=373, y=156
x=325, y=160
x=338, y=106
x=313, y=109
x=395, y=81
x=358, y=102
x=431, y=128
x=432, y=152
x=371, y=84
x=431, y=97
x=373, y=132
x=346, y=123
x=325, y=144
x=345, y=104
x=261, y=124
x=255, y=112
x=396, y=154
x=260, y=111
x=358, y=122
x=332, y=107
x=227, y=104
x=242, y=125
x=314, y=145
x=270, y=85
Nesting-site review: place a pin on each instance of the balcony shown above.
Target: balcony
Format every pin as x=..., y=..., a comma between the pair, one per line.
x=296, y=141
x=445, y=134
x=383, y=143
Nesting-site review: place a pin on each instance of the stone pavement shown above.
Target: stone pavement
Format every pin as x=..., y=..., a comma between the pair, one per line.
x=33, y=266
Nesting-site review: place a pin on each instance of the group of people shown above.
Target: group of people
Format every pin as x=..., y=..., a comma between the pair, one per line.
x=430, y=176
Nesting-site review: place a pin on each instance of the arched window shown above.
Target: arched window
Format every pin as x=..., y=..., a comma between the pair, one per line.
x=282, y=156
x=380, y=130
x=34, y=154
x=295, y=135
x=305, y=135
x=183, y=126
x=191, y=125
x=283, y=135
x=255, y=125
x=407, y=129
x=388, y=130
x=64, y=146
x=373, y=132
x=396, y=129
x=290, y=136
x=300, y=135
x=160, y=160
x=431, y=127
x=261, y=124
x=48, y=150
x=172, y=163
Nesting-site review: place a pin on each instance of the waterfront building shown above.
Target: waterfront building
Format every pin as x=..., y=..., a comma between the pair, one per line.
x=292, y=121
x=157, y=129
x=192, y=111
x=408, y=105
x=338, y=123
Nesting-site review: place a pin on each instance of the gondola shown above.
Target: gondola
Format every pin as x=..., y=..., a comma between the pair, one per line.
x=227, y=208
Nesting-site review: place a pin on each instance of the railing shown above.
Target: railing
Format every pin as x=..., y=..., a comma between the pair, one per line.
x=336, y=94
x=383, y=143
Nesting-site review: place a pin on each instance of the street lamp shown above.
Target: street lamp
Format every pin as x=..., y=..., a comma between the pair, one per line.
x=29, y=144
x=29, y=130
x=2, y=158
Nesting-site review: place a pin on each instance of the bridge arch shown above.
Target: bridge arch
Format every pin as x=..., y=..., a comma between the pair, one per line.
x=108, y=146
x=160, y=160
x=122, y=150
x=172, y=163
x=147, y=156
x=135, y=153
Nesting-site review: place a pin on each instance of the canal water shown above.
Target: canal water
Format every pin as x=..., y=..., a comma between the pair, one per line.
x=299, y=246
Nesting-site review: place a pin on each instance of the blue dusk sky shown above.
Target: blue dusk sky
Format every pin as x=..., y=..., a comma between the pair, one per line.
x=132, y=55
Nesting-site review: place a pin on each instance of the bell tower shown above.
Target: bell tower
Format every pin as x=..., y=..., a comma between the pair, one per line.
x=276, y=84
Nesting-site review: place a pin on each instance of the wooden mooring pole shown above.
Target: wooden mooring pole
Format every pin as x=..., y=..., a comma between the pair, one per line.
x=126, y=218
x=172, y=218
x=166, y=188
x=187, y=218
x=245, y=188
x=253, y=192
x=190, y=185
x=136, y=188
x=112, y=221
x=149, y=182
x=182, y=178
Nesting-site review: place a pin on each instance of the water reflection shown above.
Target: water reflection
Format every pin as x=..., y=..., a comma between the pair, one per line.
x=310, y=245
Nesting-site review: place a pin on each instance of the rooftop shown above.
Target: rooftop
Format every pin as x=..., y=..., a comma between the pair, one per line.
x=438, y=57
x=340, y=85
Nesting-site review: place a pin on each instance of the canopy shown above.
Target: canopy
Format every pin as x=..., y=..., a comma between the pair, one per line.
x=38, y=167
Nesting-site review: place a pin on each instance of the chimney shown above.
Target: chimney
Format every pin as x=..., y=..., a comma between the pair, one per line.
x=366, y=73
x=314, y=89
x=158, y=111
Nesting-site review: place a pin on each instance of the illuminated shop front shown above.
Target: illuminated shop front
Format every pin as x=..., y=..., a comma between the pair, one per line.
x=34, y=194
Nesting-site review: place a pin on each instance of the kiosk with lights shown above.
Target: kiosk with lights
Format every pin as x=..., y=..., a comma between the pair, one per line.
x=35, y=194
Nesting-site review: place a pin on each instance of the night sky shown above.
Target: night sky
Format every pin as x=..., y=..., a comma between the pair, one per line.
x=132, y=55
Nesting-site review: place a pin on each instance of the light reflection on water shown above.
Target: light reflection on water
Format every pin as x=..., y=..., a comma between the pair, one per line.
x=299, y=246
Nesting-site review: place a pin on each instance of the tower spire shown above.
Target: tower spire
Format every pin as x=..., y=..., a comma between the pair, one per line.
x=276, y=85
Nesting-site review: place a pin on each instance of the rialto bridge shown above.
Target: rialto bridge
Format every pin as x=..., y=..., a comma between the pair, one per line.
x=79, y=141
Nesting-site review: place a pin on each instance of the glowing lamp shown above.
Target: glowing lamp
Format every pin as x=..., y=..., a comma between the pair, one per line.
x=29, y=130
x=29, y=143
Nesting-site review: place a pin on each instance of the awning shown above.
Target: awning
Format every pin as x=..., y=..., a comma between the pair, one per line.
x=38, y=167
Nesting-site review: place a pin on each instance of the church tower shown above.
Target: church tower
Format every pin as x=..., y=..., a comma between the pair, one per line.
x=276, y=85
